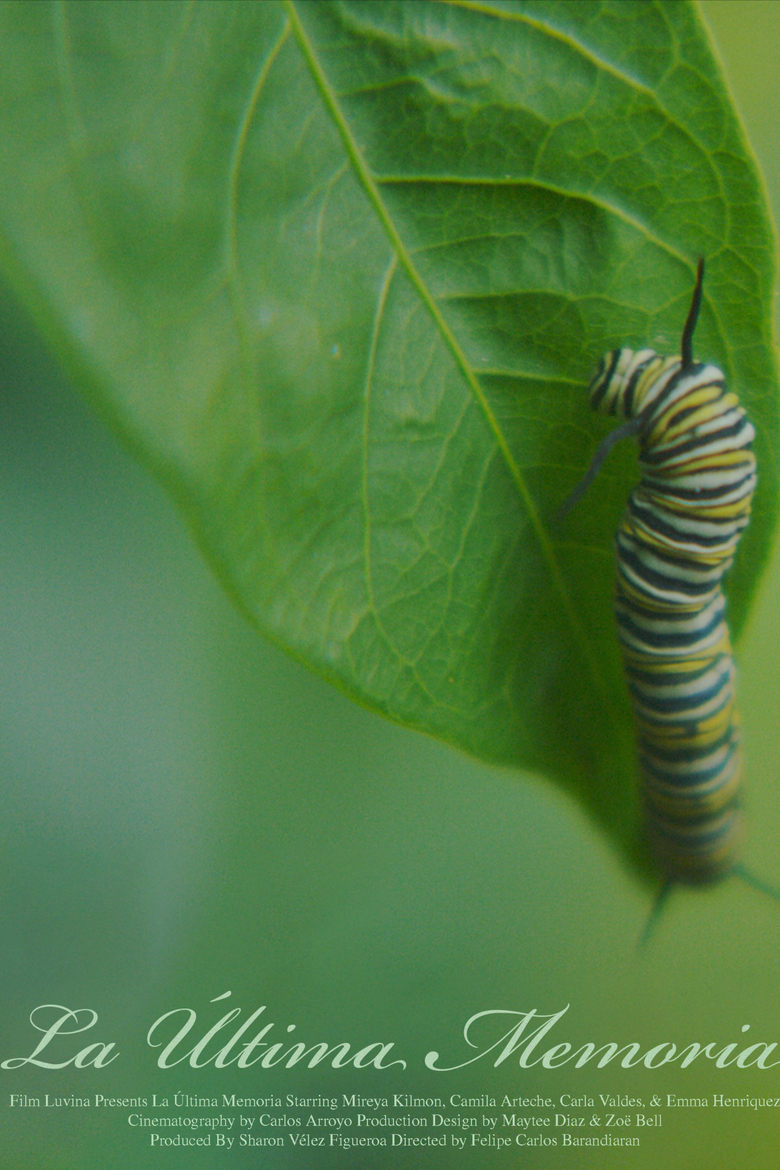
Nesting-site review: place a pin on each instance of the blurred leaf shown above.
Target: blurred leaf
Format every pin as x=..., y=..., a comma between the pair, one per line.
x=340, y=272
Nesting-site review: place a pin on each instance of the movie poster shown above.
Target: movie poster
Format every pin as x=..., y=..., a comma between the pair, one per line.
x=247, y=921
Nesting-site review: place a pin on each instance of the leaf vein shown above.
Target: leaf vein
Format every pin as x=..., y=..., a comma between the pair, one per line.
x=371, y=188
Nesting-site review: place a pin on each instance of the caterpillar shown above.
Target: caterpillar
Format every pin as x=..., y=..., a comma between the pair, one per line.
x=674, y=543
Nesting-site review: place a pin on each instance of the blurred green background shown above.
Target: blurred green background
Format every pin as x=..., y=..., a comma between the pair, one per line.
x=187, y=811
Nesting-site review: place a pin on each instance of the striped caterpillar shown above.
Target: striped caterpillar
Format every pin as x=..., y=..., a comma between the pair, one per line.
x=675, y=542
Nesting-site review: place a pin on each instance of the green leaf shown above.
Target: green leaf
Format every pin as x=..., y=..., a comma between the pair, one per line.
x=340, y=272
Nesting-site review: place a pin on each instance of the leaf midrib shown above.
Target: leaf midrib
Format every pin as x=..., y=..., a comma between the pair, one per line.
x=372, y=191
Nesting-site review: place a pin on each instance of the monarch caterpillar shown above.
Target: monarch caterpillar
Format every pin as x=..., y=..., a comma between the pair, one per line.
x=674, y=543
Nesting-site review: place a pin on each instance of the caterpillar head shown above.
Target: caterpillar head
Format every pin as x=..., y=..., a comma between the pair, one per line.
x=613, y=387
